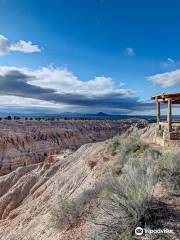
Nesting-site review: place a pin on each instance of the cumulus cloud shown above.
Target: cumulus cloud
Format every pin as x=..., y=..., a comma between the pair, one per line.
x=166, y=79
x=7, y=46
x=63, y=80
x=67, y=89
x=130, y=51
x=23, y=46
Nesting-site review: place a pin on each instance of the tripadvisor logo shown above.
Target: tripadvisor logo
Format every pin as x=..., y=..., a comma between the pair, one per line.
x=139, y=231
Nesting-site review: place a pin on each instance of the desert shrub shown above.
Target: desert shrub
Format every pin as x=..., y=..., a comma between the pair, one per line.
x=65, y=213
x=92, y=164
x=68, y=211
x=126, y=146
x=106, y=193
x=127, y=196
x=170, y=171
x=115, y=144
x=117, y=169
x=138, y=180
x=91, y=215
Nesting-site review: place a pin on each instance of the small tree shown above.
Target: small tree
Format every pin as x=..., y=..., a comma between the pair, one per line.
x=9, y=118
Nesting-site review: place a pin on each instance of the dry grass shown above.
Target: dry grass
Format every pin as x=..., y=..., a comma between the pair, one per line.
x=170, y=171
x=126, y=147
x=67, y=212
x=127, y=196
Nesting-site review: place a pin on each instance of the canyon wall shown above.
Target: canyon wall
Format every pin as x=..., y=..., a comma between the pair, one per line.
x=24, y=143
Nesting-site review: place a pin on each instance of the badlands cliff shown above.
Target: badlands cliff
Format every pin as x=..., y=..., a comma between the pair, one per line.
x=101, y=191
x=26, y=142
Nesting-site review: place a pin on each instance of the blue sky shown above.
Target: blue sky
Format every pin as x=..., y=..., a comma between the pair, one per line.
x=95, y=55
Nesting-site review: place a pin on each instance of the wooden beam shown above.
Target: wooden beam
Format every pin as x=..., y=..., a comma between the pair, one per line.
x=174, y=101
x=158, y=113
x=169, y=115
x=161, y=100
x=166, y=95
x=164, y=124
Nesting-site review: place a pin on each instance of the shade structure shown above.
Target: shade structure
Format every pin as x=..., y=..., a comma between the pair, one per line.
x=165, y=97
x=169, y=99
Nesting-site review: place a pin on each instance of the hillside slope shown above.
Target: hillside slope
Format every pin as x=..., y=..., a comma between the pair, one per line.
x=94, y=193
x=37, y=190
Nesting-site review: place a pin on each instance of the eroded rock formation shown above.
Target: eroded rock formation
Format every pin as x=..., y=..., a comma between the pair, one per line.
x=24, y=143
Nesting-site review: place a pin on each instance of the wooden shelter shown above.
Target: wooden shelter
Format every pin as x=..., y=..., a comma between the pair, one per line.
x=172, y=127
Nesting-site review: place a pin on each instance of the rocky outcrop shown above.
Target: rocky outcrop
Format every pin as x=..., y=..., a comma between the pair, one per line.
x=24, y=143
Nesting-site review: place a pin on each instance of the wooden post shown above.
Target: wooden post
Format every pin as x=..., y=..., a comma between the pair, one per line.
x=169, y=116
x=158, y=113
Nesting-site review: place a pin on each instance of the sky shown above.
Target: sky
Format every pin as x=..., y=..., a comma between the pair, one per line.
x=88, y=56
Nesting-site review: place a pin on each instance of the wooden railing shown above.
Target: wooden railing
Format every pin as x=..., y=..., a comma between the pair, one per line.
x=174, y=135
x=165, y=124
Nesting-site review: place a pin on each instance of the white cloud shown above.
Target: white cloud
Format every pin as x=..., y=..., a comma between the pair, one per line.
x=130, y=51
x=23, y=46
x=63, y=80
x=166, y=79
x=58, y=88
x=7, y=46
x=11, y=101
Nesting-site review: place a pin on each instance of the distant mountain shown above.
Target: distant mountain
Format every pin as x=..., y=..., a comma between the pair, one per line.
x=75, y=115
x=102, y=114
